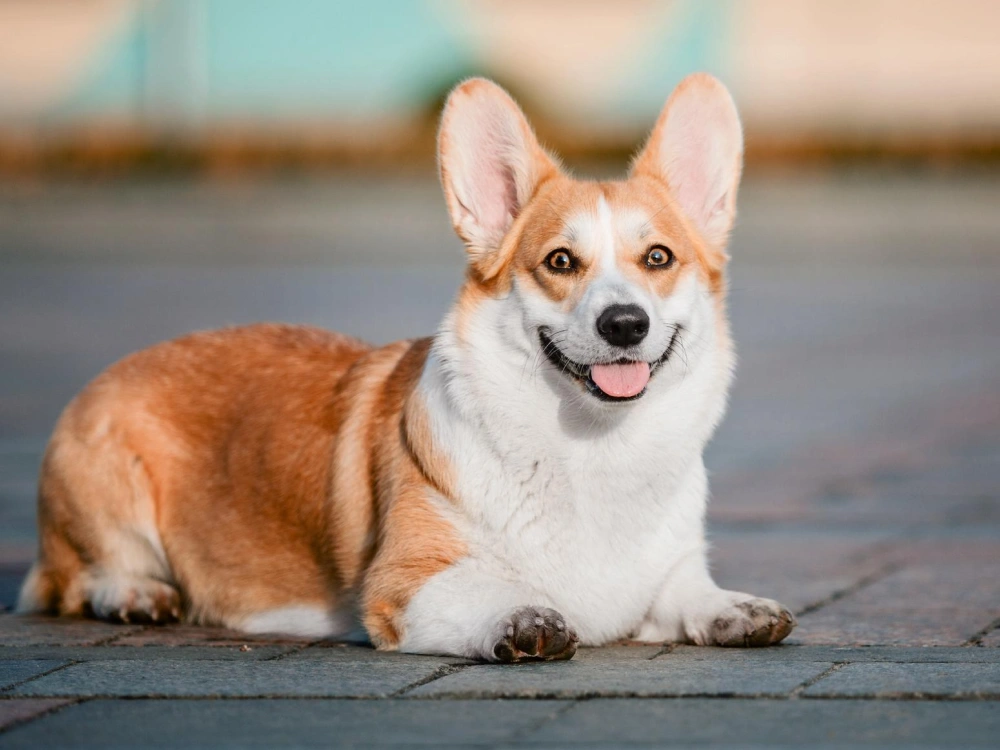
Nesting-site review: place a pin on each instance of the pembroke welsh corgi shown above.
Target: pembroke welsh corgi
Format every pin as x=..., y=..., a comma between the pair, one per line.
x=527, y=480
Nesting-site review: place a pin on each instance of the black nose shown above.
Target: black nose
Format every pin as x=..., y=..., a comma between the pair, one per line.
x=623, y=325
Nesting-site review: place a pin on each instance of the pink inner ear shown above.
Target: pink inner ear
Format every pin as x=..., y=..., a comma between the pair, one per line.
x=697, y=146
x=691, y=186
x=490, y=162
x=492, y=189
x=499, y=195
x=692, y=165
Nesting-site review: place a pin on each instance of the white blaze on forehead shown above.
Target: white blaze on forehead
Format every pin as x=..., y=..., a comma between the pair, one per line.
x=606, y=230
x=599, y=235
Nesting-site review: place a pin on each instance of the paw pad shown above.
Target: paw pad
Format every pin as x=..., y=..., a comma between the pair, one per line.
x=757, y=622
x=535, y=634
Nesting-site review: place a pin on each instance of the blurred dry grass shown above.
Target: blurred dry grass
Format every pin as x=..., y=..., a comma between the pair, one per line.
x=238, y=152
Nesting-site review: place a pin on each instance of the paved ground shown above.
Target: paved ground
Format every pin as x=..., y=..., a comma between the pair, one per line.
x=857, y=477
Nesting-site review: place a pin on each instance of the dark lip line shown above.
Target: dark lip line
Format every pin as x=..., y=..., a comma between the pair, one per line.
x=567, y=366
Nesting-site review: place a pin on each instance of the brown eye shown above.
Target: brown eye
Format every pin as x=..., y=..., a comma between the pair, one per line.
x=659, y=257
x=560, y=260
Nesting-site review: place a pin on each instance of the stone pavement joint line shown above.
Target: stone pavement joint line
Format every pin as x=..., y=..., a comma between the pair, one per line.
x=18, y=711
x=982, y=635
x=442, y=671
x=532, y=728
x=9, y=688
x=797, y=692
x=854, y=588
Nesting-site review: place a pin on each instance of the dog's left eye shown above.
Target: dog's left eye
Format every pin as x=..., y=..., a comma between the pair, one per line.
x=659, y=257
x=560, y=260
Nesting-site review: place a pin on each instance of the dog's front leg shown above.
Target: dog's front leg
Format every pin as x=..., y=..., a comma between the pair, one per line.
x=691, y=608
x=467, y=611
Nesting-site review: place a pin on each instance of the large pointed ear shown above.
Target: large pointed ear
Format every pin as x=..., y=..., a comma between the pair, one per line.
x=490, y=163
x=696, y=147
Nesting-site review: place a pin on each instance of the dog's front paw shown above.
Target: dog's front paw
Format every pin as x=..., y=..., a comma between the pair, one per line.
x=534, y=634
x=755, y=622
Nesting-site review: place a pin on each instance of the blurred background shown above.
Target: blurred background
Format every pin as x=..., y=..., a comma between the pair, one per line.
x=168, y=165
x=239, y=82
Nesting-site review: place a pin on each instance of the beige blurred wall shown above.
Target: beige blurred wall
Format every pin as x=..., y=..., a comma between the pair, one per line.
x=880, y=66
x=46, y=46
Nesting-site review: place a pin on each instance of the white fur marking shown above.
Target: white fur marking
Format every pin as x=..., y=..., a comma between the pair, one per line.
x=301, y=619
x=606, y=232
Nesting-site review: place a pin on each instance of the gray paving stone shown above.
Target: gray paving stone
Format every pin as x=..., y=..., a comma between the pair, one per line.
x=787, y=652
x=825, y=562
x=36, y=630
x=771, y=723
x=11, y=577
x=353, y=654
x=13, y=672
x=904, y=440
x=910, y=680
x=971, y=584
x=17, y=710
x=619, y=653
x=661, y=677
x=222, y=724
x=844, y=623
x=145, y=653
x=231, y=678
x=194, y=635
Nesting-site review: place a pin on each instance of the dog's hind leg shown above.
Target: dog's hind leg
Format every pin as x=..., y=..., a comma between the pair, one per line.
x=100, y=552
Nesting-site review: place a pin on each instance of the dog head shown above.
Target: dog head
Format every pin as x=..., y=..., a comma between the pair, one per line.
x=608, y=280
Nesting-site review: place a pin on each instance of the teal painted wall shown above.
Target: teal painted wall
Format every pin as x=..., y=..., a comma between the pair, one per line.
x=197, y=61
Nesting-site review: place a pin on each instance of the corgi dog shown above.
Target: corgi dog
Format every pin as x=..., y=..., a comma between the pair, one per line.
x=527, y=480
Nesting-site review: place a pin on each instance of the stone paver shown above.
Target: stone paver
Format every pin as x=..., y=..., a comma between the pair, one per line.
x=231, y=678
x=660, y=677
x=838, y=654
x=802, y=723
x=910, y=680
x=13, y=672
x=348, y=653
x=826, y=562
x=256, y=652
x=847, y=623
x=187, y=635
x=620, y=653
x=225, y=724
x=954, y=585
x=18, y=710
x=21, y=630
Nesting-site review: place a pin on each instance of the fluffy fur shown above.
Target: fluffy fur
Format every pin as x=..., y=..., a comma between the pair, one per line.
x=473, y=494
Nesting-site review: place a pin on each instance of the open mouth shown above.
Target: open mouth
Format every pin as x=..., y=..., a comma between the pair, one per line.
x=621, y=380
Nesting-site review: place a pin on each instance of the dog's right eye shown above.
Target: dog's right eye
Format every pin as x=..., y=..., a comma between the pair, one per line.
x=560, y=260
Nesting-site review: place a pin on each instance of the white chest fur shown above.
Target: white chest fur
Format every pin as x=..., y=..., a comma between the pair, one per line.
x=583, y=514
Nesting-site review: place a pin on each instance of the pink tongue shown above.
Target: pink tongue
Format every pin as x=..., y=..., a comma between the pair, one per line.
x=621, y=380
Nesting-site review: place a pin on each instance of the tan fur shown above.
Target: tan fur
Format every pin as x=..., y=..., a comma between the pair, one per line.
x=238, y=447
